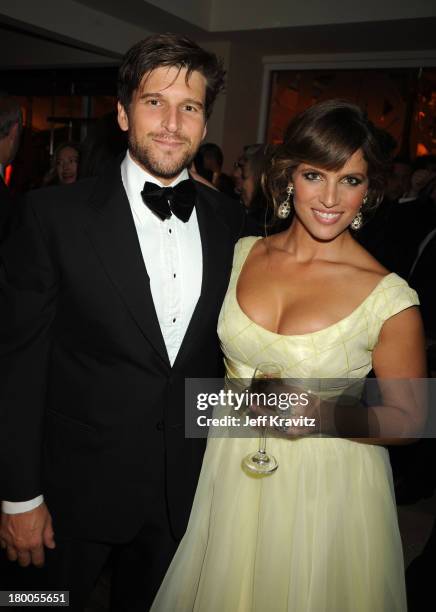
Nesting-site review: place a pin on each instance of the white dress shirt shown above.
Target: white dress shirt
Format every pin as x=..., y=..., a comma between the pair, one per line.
x=172, y=255
x=173, y=258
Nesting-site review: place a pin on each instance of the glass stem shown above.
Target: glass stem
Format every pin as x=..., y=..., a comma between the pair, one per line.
x=262, y=441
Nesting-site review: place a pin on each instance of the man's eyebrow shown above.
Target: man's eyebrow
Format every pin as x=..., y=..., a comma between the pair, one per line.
x=194, y=101
x=149, y=95
x=159, y=95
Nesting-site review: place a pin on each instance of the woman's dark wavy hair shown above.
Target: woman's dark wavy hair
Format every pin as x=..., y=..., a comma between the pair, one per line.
x=326, y=135
x=170, y=50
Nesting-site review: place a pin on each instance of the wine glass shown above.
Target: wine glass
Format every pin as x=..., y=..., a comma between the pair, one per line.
x=260, y=462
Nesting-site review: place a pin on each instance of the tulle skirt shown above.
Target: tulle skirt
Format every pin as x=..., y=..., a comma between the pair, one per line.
x=319, y=535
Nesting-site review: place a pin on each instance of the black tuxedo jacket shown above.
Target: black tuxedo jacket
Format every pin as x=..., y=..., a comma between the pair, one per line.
x=92, y=413
x=422, y=280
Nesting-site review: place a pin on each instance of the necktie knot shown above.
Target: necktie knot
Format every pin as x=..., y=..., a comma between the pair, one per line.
x=165, y=201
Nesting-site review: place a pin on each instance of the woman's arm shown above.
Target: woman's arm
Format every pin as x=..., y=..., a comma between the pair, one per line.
x=399, y=363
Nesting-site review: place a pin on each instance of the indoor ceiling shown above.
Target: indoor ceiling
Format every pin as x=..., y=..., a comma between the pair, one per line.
x=29, y=39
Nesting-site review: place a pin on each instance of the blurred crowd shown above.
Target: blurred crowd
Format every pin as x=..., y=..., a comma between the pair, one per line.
x=401, y=233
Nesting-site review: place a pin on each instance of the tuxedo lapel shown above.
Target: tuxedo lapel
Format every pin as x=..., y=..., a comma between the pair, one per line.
x=214, y=245
x=113, y=235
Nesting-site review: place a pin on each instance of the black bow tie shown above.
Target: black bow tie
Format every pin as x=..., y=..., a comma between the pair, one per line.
x=164, y=201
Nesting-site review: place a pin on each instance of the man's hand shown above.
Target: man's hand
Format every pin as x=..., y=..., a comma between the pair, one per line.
x=24, y=535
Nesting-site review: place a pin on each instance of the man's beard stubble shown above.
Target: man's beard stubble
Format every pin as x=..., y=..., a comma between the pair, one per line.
x=158, y=167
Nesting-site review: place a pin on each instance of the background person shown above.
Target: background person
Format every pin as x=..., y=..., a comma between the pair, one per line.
x=211, y=158
x=11, y=125
x=65, y=165
x=259, y=212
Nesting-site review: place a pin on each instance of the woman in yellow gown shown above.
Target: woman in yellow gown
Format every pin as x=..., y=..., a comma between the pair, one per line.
x=321, y=533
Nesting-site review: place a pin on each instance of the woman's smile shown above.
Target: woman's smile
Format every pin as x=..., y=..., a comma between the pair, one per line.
x=326, y=218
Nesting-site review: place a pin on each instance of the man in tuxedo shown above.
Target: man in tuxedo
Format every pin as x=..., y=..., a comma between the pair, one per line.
x=11, y=122
x=111, y=290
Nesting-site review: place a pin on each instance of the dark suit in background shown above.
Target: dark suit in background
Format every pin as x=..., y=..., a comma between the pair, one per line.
x=395, y=231
x=7, y=205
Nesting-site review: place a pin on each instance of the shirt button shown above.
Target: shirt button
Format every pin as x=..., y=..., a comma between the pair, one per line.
x=174, y=275
x=174, y=320
x=170, y=231
x=160, y=426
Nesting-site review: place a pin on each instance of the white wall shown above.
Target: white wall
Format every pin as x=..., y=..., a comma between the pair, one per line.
x=197, y=12
x=94, y=27
x=244, y=86
x=264, y=14
x=23, y=51
x=216, y=123
x=72, y=20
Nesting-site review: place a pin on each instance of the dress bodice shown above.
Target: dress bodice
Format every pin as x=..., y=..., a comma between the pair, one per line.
x=341, y=351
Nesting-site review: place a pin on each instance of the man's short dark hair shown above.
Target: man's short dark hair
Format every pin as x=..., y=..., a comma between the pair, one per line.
x=10, y=113
x=170, y=50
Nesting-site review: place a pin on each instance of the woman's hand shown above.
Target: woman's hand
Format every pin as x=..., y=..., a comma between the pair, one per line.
x=291, y=411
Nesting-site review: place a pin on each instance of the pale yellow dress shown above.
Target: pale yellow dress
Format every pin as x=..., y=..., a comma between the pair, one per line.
x=321, y=533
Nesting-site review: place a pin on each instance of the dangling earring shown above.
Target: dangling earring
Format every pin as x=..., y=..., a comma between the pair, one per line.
x=356, y=223
x=285, y=207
